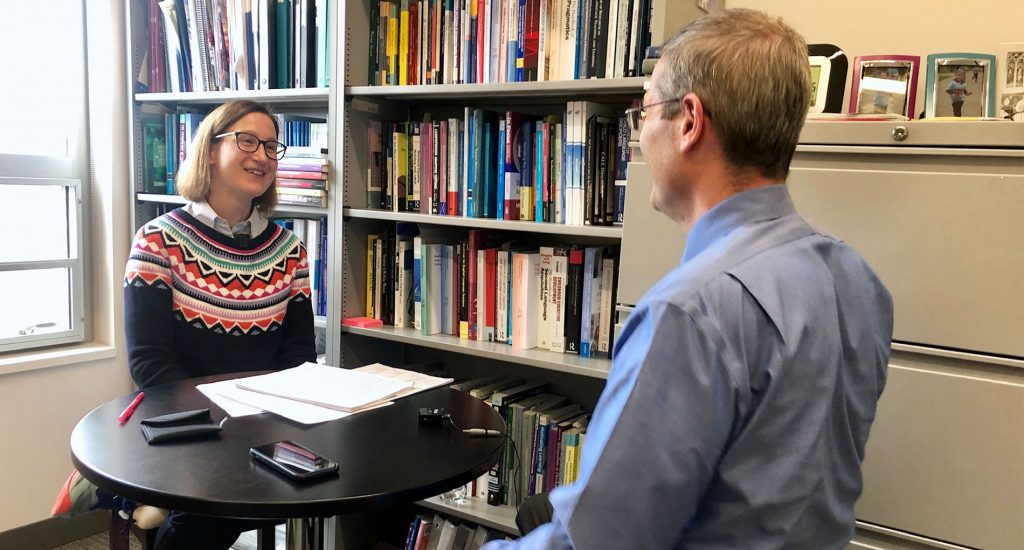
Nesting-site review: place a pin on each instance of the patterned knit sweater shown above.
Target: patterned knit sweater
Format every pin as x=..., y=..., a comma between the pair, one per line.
x=199, y=303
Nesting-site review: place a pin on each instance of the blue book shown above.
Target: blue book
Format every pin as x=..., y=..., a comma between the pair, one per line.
x=470, y=163
x=489, y=185
x=538, y=173
x=499, y=211
x=520, y=41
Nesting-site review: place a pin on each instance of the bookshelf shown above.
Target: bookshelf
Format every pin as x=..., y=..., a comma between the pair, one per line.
x=464, y=358
x=321, y=102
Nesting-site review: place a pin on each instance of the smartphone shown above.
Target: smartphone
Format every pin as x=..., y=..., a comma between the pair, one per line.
x=294, y=461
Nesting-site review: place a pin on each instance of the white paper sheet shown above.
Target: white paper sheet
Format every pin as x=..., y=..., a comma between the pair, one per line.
x=341, y=389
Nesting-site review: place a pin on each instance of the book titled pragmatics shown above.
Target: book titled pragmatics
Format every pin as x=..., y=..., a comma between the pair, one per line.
x=335, y=388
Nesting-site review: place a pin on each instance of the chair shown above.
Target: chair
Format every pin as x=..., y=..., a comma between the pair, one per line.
x=120, y=534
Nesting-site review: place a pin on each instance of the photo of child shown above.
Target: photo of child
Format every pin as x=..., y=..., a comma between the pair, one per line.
x=883, y=89
x=960, y=99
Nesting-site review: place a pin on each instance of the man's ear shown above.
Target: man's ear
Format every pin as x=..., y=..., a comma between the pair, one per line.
x=692, y=122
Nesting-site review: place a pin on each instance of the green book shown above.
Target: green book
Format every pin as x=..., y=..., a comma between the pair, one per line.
x=283, y=38
x=154, y=165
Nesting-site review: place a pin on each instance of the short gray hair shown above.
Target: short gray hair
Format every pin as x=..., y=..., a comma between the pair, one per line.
x=751, y=73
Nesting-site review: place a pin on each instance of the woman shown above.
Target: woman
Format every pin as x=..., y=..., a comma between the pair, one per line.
x=213, y=287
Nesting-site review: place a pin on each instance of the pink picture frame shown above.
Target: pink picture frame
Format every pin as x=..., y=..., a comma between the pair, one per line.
x=885, y=84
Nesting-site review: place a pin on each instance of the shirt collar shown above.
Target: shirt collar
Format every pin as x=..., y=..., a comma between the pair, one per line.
x=254, y=225
x=752, y=206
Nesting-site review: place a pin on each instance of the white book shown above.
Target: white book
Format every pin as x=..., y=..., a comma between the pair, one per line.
x=621, y=31
x=525, y=297
x=545, y=302
x=479, y=538
x=264, y=45
x=542, y=40
x=559, y=276
x=556, y=28
x=567, y=60
x=430, y=289
x=613, y=22
x=445, y=288
x=447, y=539
x=435, y=532
x=331, y=387
x=501, y=298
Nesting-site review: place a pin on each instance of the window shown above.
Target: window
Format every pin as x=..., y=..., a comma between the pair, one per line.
x=43, y=170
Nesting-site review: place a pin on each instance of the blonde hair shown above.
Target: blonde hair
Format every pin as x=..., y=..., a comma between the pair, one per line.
x=193, y=181
x=751, y=74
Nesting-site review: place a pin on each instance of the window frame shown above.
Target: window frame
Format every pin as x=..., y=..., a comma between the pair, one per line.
x=74, y=263
x=71, y=171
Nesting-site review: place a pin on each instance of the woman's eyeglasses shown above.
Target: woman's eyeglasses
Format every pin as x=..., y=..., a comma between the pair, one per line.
x=250, y=143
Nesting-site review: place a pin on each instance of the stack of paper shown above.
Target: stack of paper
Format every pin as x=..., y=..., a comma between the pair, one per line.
x=339, y=389
x=312, y=393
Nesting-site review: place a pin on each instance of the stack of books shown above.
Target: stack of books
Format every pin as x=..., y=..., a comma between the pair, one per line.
x=302, y=177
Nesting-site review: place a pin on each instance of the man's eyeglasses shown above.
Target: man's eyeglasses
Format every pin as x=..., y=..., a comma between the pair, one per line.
x=250, y=143
x=636, y=115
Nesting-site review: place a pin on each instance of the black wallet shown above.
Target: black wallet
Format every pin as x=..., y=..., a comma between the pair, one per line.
x=179, y=425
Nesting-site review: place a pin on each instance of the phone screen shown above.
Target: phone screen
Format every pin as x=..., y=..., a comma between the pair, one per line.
x=293, y=459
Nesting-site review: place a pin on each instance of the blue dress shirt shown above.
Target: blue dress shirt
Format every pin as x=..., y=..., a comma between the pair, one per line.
x=740, y=396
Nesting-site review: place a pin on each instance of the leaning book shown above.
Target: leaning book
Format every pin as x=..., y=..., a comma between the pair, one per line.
x=335, y=388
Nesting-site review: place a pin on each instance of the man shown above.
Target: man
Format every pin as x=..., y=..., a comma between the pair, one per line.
x=745, y=381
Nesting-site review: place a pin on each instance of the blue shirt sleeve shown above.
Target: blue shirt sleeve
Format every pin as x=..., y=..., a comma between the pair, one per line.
x=668, y=370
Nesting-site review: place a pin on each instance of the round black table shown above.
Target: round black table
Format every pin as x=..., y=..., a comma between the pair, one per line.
x=385, y=457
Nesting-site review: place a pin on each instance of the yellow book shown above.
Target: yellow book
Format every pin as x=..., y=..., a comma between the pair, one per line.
x=370, y=268
x=403, y=45
x=392, y=46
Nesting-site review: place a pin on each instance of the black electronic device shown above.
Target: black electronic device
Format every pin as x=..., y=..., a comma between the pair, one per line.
x=431, y=416
x=293, y=460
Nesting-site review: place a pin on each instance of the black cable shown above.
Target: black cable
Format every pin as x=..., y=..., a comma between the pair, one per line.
x=516, y=462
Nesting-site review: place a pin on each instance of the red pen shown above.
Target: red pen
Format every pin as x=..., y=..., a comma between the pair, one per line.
x=130, y=408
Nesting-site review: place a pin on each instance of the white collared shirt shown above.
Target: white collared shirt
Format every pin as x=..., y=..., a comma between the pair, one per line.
x=252, y=226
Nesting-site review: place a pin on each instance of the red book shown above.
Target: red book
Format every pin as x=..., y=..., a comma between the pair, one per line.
x=412, y=62
x=293, y=174
x=491, y=279
x=301, y=183
x=482, y=7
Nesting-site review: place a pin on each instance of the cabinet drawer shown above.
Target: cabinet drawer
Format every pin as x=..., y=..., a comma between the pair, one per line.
x=948, y=246
x=944, y=455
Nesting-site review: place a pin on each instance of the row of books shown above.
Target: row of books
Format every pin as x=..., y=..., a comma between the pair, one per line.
x=440, y=533
x=302, y=177
x=546, y=434
x=475, y=41
x=479, y=287
x=209, y=45
x=313, y=234
x=167, y=137
x=567, y=169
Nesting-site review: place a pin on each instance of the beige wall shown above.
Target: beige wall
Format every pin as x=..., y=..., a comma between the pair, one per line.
x=909, y=27
x=39, y=407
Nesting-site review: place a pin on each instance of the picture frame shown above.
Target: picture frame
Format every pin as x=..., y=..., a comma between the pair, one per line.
x=885, y=84
x=828, y=77
x=960, y=84
x=1010, y=78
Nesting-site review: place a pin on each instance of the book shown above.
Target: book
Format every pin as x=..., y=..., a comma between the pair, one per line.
x=525, y=299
